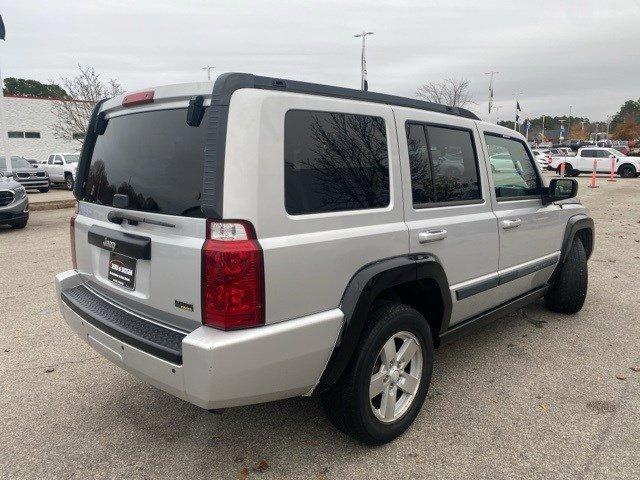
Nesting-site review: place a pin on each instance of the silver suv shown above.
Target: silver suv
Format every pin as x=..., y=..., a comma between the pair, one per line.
x=268, y=238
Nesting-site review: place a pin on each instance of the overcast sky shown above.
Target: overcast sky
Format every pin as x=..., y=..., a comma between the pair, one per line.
x=558, y=53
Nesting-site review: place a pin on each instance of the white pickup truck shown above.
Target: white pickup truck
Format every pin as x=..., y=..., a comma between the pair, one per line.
x=62, y=168
x=626, y=167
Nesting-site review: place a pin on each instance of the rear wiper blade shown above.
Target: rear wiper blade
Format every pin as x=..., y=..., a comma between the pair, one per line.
x=118, y=217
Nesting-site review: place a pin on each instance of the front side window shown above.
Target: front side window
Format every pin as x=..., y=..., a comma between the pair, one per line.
x=443, y=165
x=512, y=168
x=334, y=162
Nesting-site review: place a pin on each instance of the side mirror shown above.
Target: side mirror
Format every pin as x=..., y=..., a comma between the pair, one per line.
x=560, y=189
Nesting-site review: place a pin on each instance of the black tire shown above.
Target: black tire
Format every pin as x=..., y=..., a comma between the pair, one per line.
x=568, y=169
x=20, y=223
x=347, y=403
x=68, y=181
x=569, y=291
x=574, y=173
x=627, y=171
x=43, y=190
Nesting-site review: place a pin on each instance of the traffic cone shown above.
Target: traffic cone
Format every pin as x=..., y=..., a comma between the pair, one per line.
x=592, y=183
x=613, y=169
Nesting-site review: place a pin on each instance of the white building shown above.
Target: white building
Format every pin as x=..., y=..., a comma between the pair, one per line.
x=29, y=128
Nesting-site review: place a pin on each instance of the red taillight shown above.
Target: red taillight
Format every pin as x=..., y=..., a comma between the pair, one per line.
x=72, y=235
x=232, y=276
x=138, y=98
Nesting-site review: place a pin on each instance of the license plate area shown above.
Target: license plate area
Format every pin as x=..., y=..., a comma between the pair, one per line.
x=122, y=270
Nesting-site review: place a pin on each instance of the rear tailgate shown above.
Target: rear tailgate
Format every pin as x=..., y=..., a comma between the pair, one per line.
x=140, y=229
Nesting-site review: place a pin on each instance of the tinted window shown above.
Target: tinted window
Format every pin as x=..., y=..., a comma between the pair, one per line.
x=15, y=134
x=334, y=162
x=604, y=154
x=31, y=134
x=511, y=168
x=71, y=158
x=588, y=153
x=154, y=158
x=421, y=181
x=443, y=164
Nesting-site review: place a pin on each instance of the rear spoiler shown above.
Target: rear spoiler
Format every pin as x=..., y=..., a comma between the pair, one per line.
x=87, y=152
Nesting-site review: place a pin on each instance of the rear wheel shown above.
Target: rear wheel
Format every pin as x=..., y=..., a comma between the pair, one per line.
x=627, y=171
x=569, y=291
x=68, y=181
x=385, y=384
x=43, y=189
x=568, y=169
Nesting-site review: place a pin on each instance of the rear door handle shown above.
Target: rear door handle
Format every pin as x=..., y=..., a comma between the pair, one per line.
x=432, y=236
x=515, y=223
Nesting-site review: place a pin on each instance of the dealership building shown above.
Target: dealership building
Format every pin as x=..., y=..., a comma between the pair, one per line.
x=29, y=127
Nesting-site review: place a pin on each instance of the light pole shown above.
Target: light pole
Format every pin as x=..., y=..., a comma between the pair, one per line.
x=491, y=74
x=208, y=68
x=569, y=126
x=364, y=85
x=4, y=127
x=515, y=120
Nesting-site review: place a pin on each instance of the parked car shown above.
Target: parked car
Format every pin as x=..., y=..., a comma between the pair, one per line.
x=272, y=238
x=25, y=173
x=62, y=168
x=14, y=204
x=625, y=166
x=542, y=156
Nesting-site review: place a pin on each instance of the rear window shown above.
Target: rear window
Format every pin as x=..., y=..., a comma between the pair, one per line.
x=334, y=162
x=154, y=158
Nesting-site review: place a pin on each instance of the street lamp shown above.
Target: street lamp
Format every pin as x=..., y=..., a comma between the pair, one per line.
x=363, y=63
x=208, y=68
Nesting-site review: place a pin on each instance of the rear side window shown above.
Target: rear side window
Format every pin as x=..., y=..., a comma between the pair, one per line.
x=444, y=165
x=588, y=153
x=334, y=162
x=512, y=168
x=154, y=158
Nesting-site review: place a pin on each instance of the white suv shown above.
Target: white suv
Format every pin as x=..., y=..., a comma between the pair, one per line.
x=268, y=238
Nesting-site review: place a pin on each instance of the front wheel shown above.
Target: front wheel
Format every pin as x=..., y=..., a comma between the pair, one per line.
x=568, y=292
x=20, y=223
x=68, y=182
x=43, y=190
x=386, y=381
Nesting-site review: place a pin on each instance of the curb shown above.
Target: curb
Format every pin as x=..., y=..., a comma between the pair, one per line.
x=52, y=205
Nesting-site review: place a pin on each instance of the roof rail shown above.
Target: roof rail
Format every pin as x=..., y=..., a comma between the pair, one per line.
x=228, y=83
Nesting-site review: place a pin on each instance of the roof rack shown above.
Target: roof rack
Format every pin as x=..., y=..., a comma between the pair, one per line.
x=228, y=83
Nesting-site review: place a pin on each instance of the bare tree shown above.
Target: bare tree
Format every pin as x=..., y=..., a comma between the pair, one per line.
x=85, y=90
x=451, y=92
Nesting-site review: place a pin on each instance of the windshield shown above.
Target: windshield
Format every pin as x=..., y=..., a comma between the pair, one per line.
x=154, y=158
x=16, y=163
x=72, y=158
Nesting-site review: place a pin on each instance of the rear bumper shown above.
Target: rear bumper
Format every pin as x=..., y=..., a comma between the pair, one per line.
x=219, y=369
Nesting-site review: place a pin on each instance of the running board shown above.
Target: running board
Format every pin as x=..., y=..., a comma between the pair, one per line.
x=474, y=323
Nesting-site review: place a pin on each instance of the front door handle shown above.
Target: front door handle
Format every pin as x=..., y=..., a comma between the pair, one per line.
x=515, y=223
x=432, y=236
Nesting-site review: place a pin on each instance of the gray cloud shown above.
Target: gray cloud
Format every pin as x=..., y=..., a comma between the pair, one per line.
x=580, y=53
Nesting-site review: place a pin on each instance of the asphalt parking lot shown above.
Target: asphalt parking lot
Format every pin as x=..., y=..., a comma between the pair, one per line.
x=534, y=395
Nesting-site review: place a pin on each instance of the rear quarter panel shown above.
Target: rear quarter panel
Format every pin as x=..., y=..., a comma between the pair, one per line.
x=309, y=259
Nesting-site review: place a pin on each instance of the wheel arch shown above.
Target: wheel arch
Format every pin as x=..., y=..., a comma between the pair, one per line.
x=578, y=226
x=419, y=281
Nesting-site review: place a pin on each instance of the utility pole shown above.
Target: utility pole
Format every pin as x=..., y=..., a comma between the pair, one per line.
x=491, y=74
x=562, y=120
x=364, y=85
x=609, y=118
x=208, y=68
x=569, y=126
x=544, y=138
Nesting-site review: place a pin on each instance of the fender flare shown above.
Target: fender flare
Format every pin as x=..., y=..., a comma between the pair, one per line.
x=574, y=225
x=360, y=294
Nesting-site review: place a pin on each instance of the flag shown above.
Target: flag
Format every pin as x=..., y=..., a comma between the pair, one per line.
x=1, y=28
x=518, y=106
